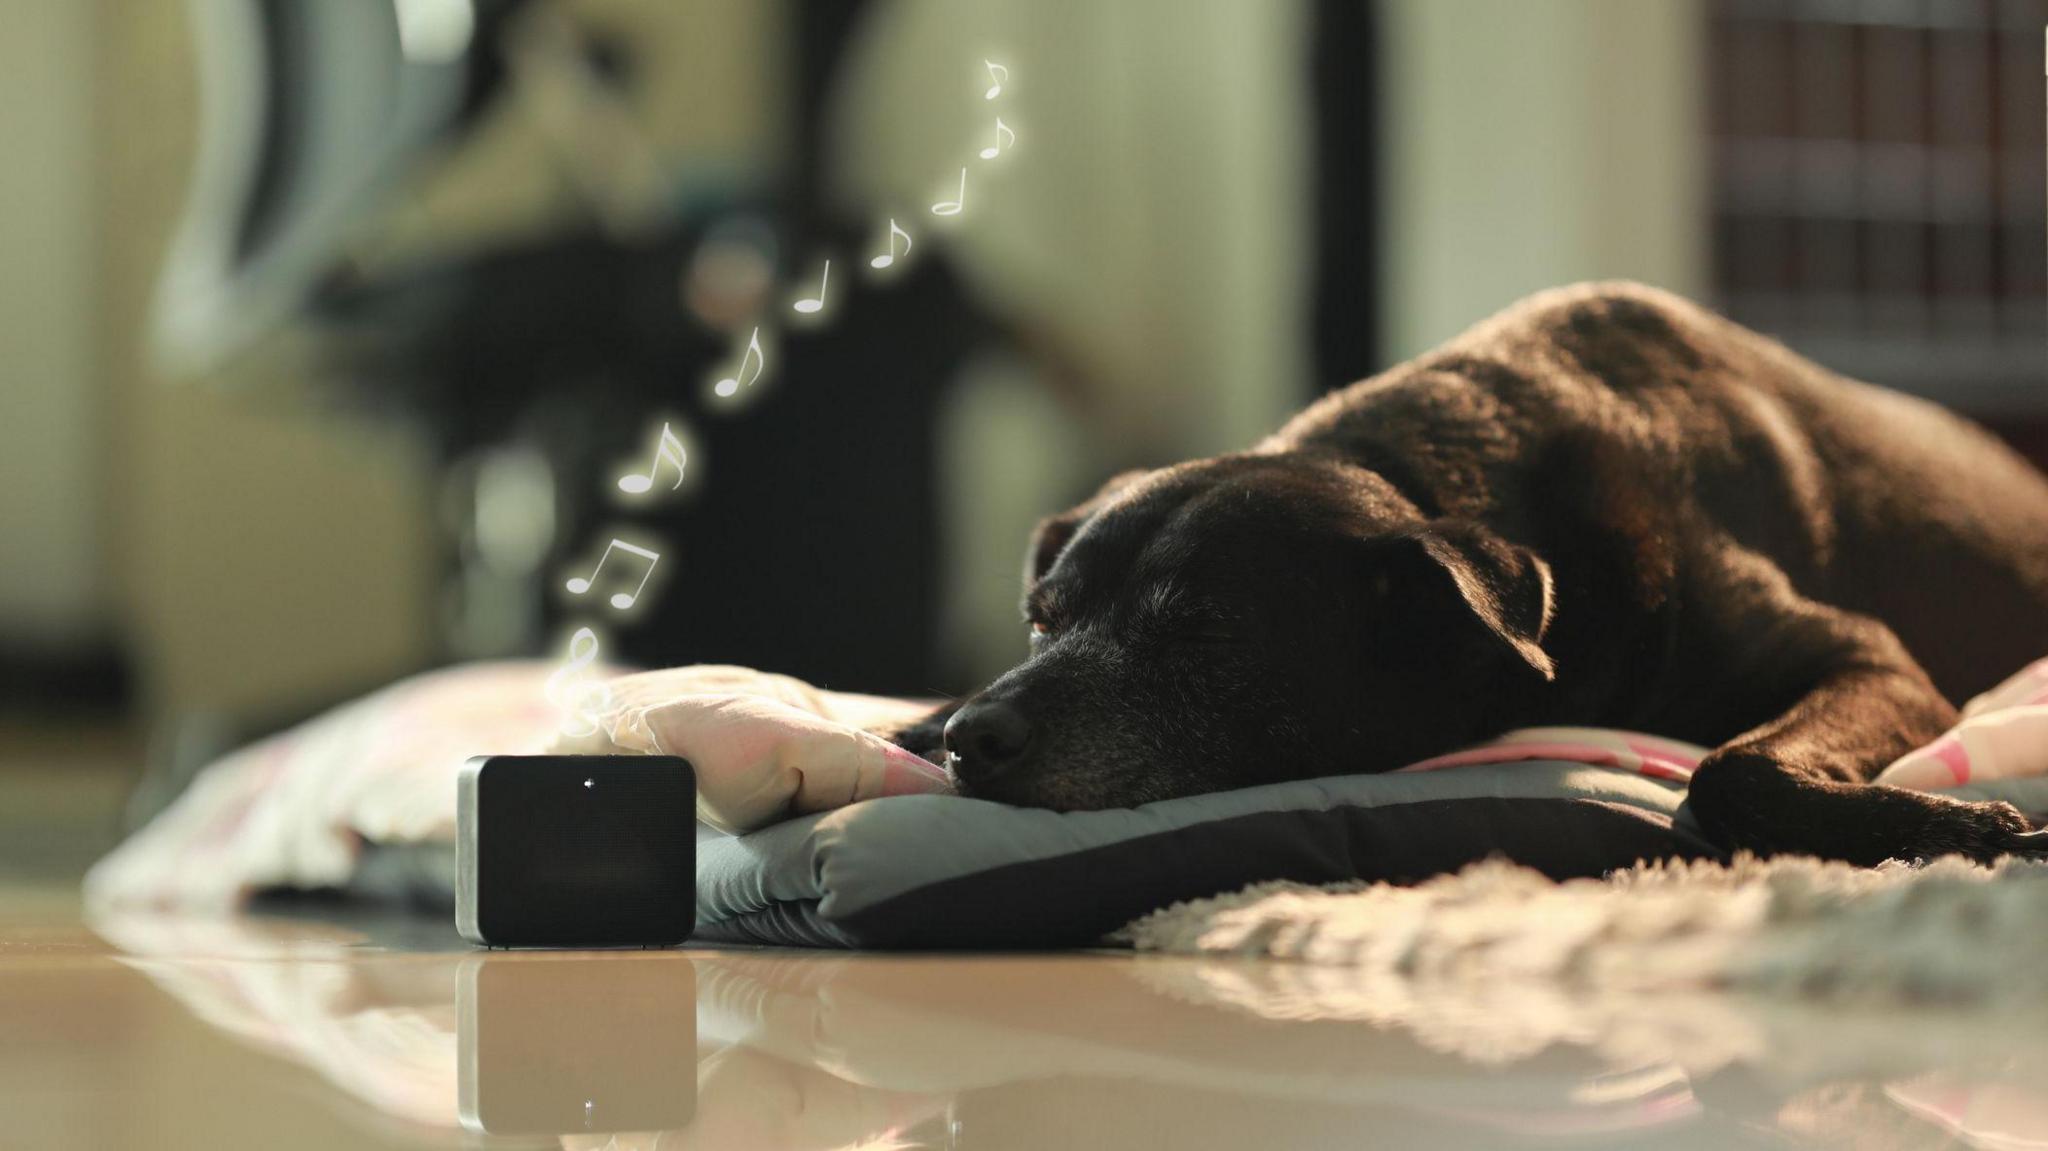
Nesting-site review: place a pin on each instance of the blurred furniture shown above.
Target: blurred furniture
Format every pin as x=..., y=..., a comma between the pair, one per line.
x=1878, y=191
x=536, y=363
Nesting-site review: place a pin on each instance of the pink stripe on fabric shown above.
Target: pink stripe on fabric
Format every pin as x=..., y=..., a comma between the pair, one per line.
x=1511, y=752
x=1663, y=753
x=1951, y=752
x=1641, y=754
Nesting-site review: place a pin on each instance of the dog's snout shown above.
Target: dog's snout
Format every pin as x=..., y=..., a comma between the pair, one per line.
x=985, y=737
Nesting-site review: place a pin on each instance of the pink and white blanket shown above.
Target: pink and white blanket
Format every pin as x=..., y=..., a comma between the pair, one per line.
x=295, y=810
x=2003, y=735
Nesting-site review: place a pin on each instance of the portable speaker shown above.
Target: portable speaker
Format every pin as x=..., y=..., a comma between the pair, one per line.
x=576, y=850
x=560, y=1045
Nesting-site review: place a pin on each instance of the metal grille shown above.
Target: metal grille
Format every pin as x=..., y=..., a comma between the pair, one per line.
x=1879, y=191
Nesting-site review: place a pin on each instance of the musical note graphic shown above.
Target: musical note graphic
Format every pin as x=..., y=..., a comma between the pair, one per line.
x=1002, y=130
x=568, y=690
x=952, y=207
x=808, y=306
x=727, y=387
x=670, y=449
x=998, y=73
x=889, y=257
x=577, y=585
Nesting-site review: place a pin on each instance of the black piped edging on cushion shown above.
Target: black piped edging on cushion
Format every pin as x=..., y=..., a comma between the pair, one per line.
x=1074, y=899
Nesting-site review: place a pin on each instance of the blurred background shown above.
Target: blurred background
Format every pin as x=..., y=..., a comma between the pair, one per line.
x=327, y=326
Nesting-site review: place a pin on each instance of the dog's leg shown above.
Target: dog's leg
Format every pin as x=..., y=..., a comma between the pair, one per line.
x=1845, y=699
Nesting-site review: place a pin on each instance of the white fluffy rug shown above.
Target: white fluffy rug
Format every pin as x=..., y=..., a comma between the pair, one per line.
x=1948, y=932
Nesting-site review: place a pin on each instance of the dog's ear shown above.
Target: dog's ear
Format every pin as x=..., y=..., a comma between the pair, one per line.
x=1053, y=533
x=1049, y=539
x=1462, y=567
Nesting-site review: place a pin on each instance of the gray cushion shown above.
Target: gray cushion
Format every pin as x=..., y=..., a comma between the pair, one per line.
x=939, y=871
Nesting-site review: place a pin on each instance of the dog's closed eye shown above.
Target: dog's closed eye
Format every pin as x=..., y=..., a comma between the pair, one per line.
x=1170, y=615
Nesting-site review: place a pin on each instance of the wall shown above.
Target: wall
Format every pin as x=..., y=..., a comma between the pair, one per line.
x=1533, y=144
x=53, y=589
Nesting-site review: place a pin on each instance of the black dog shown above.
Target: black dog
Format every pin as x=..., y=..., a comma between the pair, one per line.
x=1603, y=507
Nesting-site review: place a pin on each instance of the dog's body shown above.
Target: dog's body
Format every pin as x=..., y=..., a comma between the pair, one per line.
x=1604, y=507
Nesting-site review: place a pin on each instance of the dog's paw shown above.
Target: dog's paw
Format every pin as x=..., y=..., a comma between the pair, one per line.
x=2031, y=844
x=1751, y=802
x=1980, y=831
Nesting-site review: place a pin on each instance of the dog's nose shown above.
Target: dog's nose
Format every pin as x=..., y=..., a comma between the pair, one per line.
x=985, y=737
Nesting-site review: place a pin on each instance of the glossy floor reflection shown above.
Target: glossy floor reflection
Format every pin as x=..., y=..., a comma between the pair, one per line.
x=288, y=1033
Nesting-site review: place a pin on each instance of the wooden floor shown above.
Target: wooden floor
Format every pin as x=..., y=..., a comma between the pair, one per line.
x=354, y=1027
x=356, y=1030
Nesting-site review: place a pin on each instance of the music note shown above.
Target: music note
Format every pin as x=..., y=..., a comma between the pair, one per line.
x=579, y=584
x=1002, y=130
x=952, y=207
x=668, y=448
x=998, y=73
x=808, y=306
x=889, y=257
x=727, y=387
x=568, y=690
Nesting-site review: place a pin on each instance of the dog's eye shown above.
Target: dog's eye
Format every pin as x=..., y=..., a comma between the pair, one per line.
x=1039, y=631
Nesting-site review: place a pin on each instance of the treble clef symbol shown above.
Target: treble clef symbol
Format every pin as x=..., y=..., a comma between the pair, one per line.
x=569, y=689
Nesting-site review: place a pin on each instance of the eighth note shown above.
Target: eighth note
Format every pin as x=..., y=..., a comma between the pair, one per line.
x=998, y=73
x=1002, y=130
x=577, y=585
x=808, y=306
x=889, y=257
x=727, y=387
x=952, y=207
x=668, y=448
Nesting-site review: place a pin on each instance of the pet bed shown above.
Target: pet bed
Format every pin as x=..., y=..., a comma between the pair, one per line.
x=840, y=848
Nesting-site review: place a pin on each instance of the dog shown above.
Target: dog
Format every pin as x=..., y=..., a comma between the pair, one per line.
x=1605, y=506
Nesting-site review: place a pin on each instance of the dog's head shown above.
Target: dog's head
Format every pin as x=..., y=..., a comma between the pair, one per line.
x=1247, y=619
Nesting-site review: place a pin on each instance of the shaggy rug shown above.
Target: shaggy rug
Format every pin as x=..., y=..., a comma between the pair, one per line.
x=1948, y=932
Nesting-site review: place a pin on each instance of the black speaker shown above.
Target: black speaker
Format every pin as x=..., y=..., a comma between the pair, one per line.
x=576, y=850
